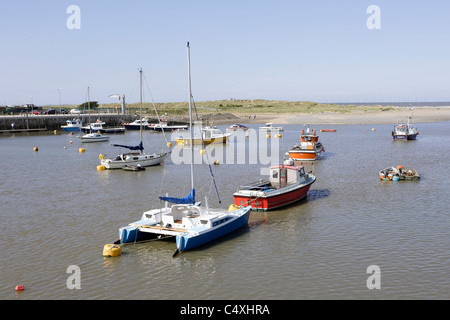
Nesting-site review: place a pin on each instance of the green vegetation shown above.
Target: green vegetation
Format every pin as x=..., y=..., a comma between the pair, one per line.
x=247, y=106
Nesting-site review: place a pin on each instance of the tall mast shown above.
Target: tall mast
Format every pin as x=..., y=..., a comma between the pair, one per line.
x=140, y=105
x=190, y=117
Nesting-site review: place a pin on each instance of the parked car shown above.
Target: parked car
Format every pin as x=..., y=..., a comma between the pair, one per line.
x=51, y=111
x=62, y=111
x=75, y=111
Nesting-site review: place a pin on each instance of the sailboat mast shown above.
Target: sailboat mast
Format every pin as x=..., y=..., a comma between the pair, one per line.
x=89, y=110
x=190, y=117
x=140, y=104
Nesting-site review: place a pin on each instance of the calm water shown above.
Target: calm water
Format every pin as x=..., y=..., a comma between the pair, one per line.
x=57, y=210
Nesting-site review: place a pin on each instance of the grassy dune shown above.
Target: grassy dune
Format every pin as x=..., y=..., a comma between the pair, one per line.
x=248, y=106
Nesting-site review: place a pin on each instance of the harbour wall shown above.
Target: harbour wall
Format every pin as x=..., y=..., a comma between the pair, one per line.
x=55, y=121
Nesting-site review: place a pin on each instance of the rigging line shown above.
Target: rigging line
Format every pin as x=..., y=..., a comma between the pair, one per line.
x=154, y=106
x=207, y=158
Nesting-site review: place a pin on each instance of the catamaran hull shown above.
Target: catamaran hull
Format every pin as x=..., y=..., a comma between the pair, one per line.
x=131, y=234
x=189, y=241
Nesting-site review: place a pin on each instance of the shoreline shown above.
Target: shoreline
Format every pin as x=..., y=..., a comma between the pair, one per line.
x=397, y=115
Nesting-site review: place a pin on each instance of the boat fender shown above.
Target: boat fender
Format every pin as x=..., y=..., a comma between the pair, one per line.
x=100, y=156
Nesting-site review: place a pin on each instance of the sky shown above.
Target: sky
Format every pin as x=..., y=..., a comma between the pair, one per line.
x=324, y=51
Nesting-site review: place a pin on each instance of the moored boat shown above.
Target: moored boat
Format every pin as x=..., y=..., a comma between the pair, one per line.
x=93, y=137
x=308, y=149
x=98, y=126
x=288, y=183
x=163, y=126
x=190, y=224
x=136, y=156
x=237, y=127
x=398, y=173
x=138, y=124
x=270, y=128
x=72, y=125
x=208, y=135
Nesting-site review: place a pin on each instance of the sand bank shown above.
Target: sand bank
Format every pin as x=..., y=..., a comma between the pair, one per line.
x=397, y=115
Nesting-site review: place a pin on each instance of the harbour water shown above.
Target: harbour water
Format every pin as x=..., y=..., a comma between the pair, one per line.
x=58, y=211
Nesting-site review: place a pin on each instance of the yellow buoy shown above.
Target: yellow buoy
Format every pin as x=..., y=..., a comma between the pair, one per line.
x=35, y=149
x=373, y=129
x=100, y=156
x=169, y=144
x=112, y=250
x=268, y=136
x=101, y=167
x=202, y=151
x=279, y=136
x=233, y=207
x=81, y=150
x=216, y=162
x=54, y=131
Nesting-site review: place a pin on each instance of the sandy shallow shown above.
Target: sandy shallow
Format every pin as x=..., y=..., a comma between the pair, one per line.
x=398, y=115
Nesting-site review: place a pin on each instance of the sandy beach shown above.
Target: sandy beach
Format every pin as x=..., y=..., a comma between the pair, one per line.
x=397, y=115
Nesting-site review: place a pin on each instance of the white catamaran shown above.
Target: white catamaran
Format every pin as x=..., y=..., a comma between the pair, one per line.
x=191, y=224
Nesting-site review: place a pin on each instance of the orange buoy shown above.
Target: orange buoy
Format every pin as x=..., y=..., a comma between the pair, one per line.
x=19, y=288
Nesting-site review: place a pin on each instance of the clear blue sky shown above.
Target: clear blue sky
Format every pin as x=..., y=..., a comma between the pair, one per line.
x=244, y=49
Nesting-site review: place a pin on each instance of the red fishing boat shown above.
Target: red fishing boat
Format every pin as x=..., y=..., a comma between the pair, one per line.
x=309, y=148
x=287, y=184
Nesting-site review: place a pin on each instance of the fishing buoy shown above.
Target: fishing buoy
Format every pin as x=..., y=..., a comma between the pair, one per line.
x=373, y=129
x=100, y=156
x=101, y=167
x=71, y=133
x=216, y=162
x=280, y=135
x=65, y=147
x=54, y=131
x=112, y=250
x=268, y=136
x=169, y=144
x=202, y=151
x=35, y=149
x=81, y=150
x=19, y=288
x=70, y=141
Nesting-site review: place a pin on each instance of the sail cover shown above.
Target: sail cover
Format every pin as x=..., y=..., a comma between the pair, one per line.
x=190, y=198
x=139, y=147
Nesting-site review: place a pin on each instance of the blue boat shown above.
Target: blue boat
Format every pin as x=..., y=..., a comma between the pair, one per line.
x=72, y=125
x=190, y=223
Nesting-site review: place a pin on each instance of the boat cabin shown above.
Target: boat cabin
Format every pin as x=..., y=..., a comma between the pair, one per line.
x=283, y=175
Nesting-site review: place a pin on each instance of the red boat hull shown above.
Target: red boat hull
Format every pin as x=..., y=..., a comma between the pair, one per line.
x=272, y=202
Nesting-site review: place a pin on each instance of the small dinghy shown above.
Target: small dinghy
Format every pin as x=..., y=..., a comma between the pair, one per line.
x=399, y=173
x=130, y=167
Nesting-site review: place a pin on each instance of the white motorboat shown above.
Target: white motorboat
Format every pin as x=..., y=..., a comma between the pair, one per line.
x=94, y=137
x=270, y=128
x=72, y=125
